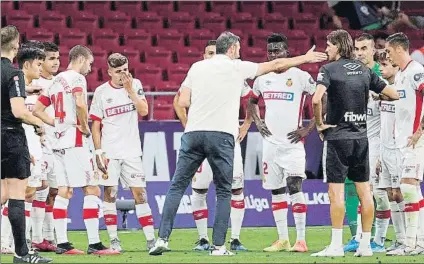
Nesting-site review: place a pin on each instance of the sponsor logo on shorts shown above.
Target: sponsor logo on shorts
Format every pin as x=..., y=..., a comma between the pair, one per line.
x=138, y=175
x=59, y=134
x=121, y=109
x=286, y=96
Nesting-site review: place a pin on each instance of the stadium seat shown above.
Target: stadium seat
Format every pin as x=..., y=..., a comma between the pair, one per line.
x=259, y=38
x=161, y=7
x=298, y=39
x=214, y=24
x=164, y=99
x=192, y=7
x=190, y=55
x=32, y=7
x=105, y=37
x=225, y=8
x=178, y=72
x=149, y=21
x=181, y=21
x=171, y=39
x=168, y=86
x=132, y=54
x=85, y=21
x=307, y=24
x=117, y=21
x=137, y=38
x=97, y=7
x=7, y=7
x=199, y=38
x=132, y=8
x=66, y=7
x=245, y=22
x=275, y=22
x=158, y=56
x=164, y=112
x=40, y=34
x=72, y=37
x=254, y=54
x=256, y=8
x=148, y=74
x=21, y=20
x=52, y=21
x=146, y=87
x=285, y=8
x=317, y=8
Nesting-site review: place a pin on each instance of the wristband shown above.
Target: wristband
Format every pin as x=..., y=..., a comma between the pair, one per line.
x=99, y=152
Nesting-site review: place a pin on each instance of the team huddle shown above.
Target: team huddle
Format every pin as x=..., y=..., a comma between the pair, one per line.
x=69, y=154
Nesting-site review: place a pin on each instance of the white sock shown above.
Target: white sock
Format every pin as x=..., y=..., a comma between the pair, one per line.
x=237, y=214
x=200, y=213
x=397, y=220
x=420, y=234
x=336, y=238
x=60, y=216
x=402, y=213
x=6, y=228
x=111, y=219
x=359, y=223
x=412, y=210
x=299, y=213
x=365, y=240
x=38, y=214
x=144, y=215
x=91, y=218
x=382, y=215
x=28, y=208
x=279, y=210
x=48, y=226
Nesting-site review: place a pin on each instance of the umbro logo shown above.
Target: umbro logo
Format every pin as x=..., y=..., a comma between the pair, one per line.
x=352, y=66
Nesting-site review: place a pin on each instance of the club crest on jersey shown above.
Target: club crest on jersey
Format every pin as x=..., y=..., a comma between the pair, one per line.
x=278, y=96
x=401, y=93
x=289, y=82
x=121, y=109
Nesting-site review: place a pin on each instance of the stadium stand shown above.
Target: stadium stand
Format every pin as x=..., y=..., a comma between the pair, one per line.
x=163, y=38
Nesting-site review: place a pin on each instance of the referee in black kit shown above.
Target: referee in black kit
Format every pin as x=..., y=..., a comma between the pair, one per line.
x=347, y=83
x=15, y=157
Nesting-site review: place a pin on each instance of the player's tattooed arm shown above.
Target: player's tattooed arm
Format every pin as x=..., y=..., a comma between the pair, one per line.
x=253, y=109
x=180, y=111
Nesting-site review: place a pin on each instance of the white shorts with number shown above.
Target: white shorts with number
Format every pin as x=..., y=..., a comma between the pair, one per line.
x=373, y=156
x=34, y=180
x=390, y=168
x=412, y=162
x=280, y=162
x=48, y=170
x=74, y=167
x=128, y=171
x=204, y=175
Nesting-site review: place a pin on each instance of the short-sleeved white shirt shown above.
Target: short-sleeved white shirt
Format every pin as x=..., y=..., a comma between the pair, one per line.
x=216, y=85
x=119, y=117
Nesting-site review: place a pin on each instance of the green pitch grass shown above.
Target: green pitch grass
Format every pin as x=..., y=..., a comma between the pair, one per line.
x=255, y=239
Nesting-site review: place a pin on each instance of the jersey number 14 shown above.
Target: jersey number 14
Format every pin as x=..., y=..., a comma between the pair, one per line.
x=57, y=101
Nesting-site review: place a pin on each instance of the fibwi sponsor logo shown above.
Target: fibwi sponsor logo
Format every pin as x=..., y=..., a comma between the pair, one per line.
x=386, y=107
x=355, y=118
x=121, y=109
x=401, y=93
x=287, y=96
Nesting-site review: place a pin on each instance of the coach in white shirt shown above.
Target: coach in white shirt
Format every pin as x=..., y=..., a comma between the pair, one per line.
x=212, y=90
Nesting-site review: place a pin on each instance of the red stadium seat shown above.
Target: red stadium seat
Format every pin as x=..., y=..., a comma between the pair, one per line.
x=245, y=22
x=158, y=56
x=164, y=112
x=169, y=86
x=73, y=37
x=117, y=21
x=285, y=8
x=254, y=54
x=190, y=55
x=132, y=8
x=52, y=21
x=33, y=7
x=299, y=39
x=181, y=21
x=178, y=72
x=21, y=20
x=260, y=38
x=137, y=38
x=161, y=7
x=199, y=38
x=307, y=24
x=316, y=8
x=149, y=21
x=214, y=24
x=66, y=7
x=192, y=7
x=97, y=6
x=147, y=88
x=226, y=8
x=132, y=54
x=170, y=38
x=7, y=7
x=105, y=37
x=85, y=21
x=163, y=99
x=148, y=74
x=40, y=34
x=256, y=8
x=275, y=22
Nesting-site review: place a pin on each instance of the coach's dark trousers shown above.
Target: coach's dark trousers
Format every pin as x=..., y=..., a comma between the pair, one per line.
x=218, y=148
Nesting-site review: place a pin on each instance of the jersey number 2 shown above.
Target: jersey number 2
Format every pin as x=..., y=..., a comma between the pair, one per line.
x=58, y=106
